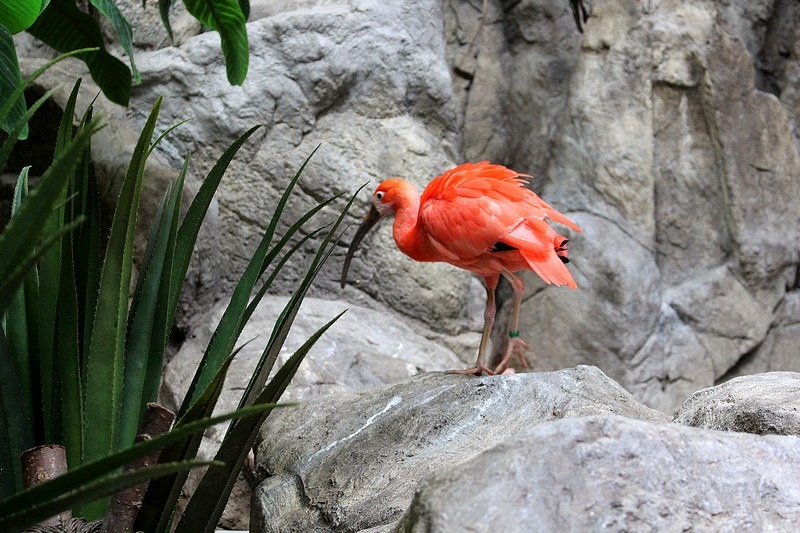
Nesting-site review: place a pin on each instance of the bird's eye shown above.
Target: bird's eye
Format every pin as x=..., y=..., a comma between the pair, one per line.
x=379, y=195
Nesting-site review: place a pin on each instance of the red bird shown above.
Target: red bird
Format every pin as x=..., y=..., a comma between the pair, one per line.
x=482, y=218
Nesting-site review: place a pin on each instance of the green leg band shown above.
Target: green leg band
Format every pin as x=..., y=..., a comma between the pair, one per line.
x=513, y=334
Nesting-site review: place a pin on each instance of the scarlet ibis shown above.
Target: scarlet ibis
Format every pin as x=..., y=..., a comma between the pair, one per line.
x=482, y=218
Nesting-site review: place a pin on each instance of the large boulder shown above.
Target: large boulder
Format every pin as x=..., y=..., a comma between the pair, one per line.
x=567, y=450
x=352, y=461
x=610, y=473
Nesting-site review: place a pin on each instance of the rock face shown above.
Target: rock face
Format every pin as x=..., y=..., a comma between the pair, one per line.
x=681, y=167
x=329, y=471
x=566, y=451
x=340, y=362
x=667, y=130
x=610, y=473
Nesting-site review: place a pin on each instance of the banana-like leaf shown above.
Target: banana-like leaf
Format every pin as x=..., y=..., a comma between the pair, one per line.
x=10, y=79
x=64, y=27
x=227, y=18
x=16, y=15
x=163, y=9
x=105, y=359
x=208, y=501
x=100, y=488
x=110, y=10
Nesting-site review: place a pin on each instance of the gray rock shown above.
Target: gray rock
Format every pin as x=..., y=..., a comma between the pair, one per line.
x=352, y=461
x=610, y=473
x=366, y=81
x=363, y=349
x=780, y=349
x=761, y=404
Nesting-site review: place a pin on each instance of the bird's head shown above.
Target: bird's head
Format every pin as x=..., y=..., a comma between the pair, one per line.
x=389, y=196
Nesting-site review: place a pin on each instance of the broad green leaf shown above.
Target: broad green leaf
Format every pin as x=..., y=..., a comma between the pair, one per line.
x=104, y=361
x=208, y=501
x=226, y=17
x=100, y=488
x=10, y=79
x=66, y=28
x=110, y=10
x=17, y=15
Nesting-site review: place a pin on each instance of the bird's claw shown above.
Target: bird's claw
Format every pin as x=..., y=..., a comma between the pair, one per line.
x=518, y=347
x=477, y=370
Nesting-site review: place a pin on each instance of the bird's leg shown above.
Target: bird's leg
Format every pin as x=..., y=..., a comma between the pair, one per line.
x=515, y=346
x=488, y=321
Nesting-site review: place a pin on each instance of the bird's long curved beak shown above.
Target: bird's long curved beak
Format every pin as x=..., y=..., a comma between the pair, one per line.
x=372, y=218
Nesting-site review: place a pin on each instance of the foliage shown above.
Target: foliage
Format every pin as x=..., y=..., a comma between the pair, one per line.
x=65, y=28
x=80, y=357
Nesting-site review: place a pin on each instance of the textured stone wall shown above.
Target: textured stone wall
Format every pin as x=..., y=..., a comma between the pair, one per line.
x=667, y=130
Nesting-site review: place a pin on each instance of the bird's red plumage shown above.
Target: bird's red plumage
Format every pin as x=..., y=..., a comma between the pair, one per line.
x=468, y=210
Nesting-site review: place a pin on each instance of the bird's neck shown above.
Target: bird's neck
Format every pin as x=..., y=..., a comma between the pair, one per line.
x=408, y=235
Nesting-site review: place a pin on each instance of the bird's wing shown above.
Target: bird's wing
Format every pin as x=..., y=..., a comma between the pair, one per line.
x=469, y=209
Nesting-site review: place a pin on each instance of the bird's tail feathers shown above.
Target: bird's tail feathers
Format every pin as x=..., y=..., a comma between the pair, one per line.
x=544, y=250
x=551, y=269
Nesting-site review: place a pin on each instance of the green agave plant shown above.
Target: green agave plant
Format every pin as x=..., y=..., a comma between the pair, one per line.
x=80, y=358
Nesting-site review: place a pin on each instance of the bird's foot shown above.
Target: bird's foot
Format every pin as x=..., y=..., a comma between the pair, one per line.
x=477, y=370
x=515, y=347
